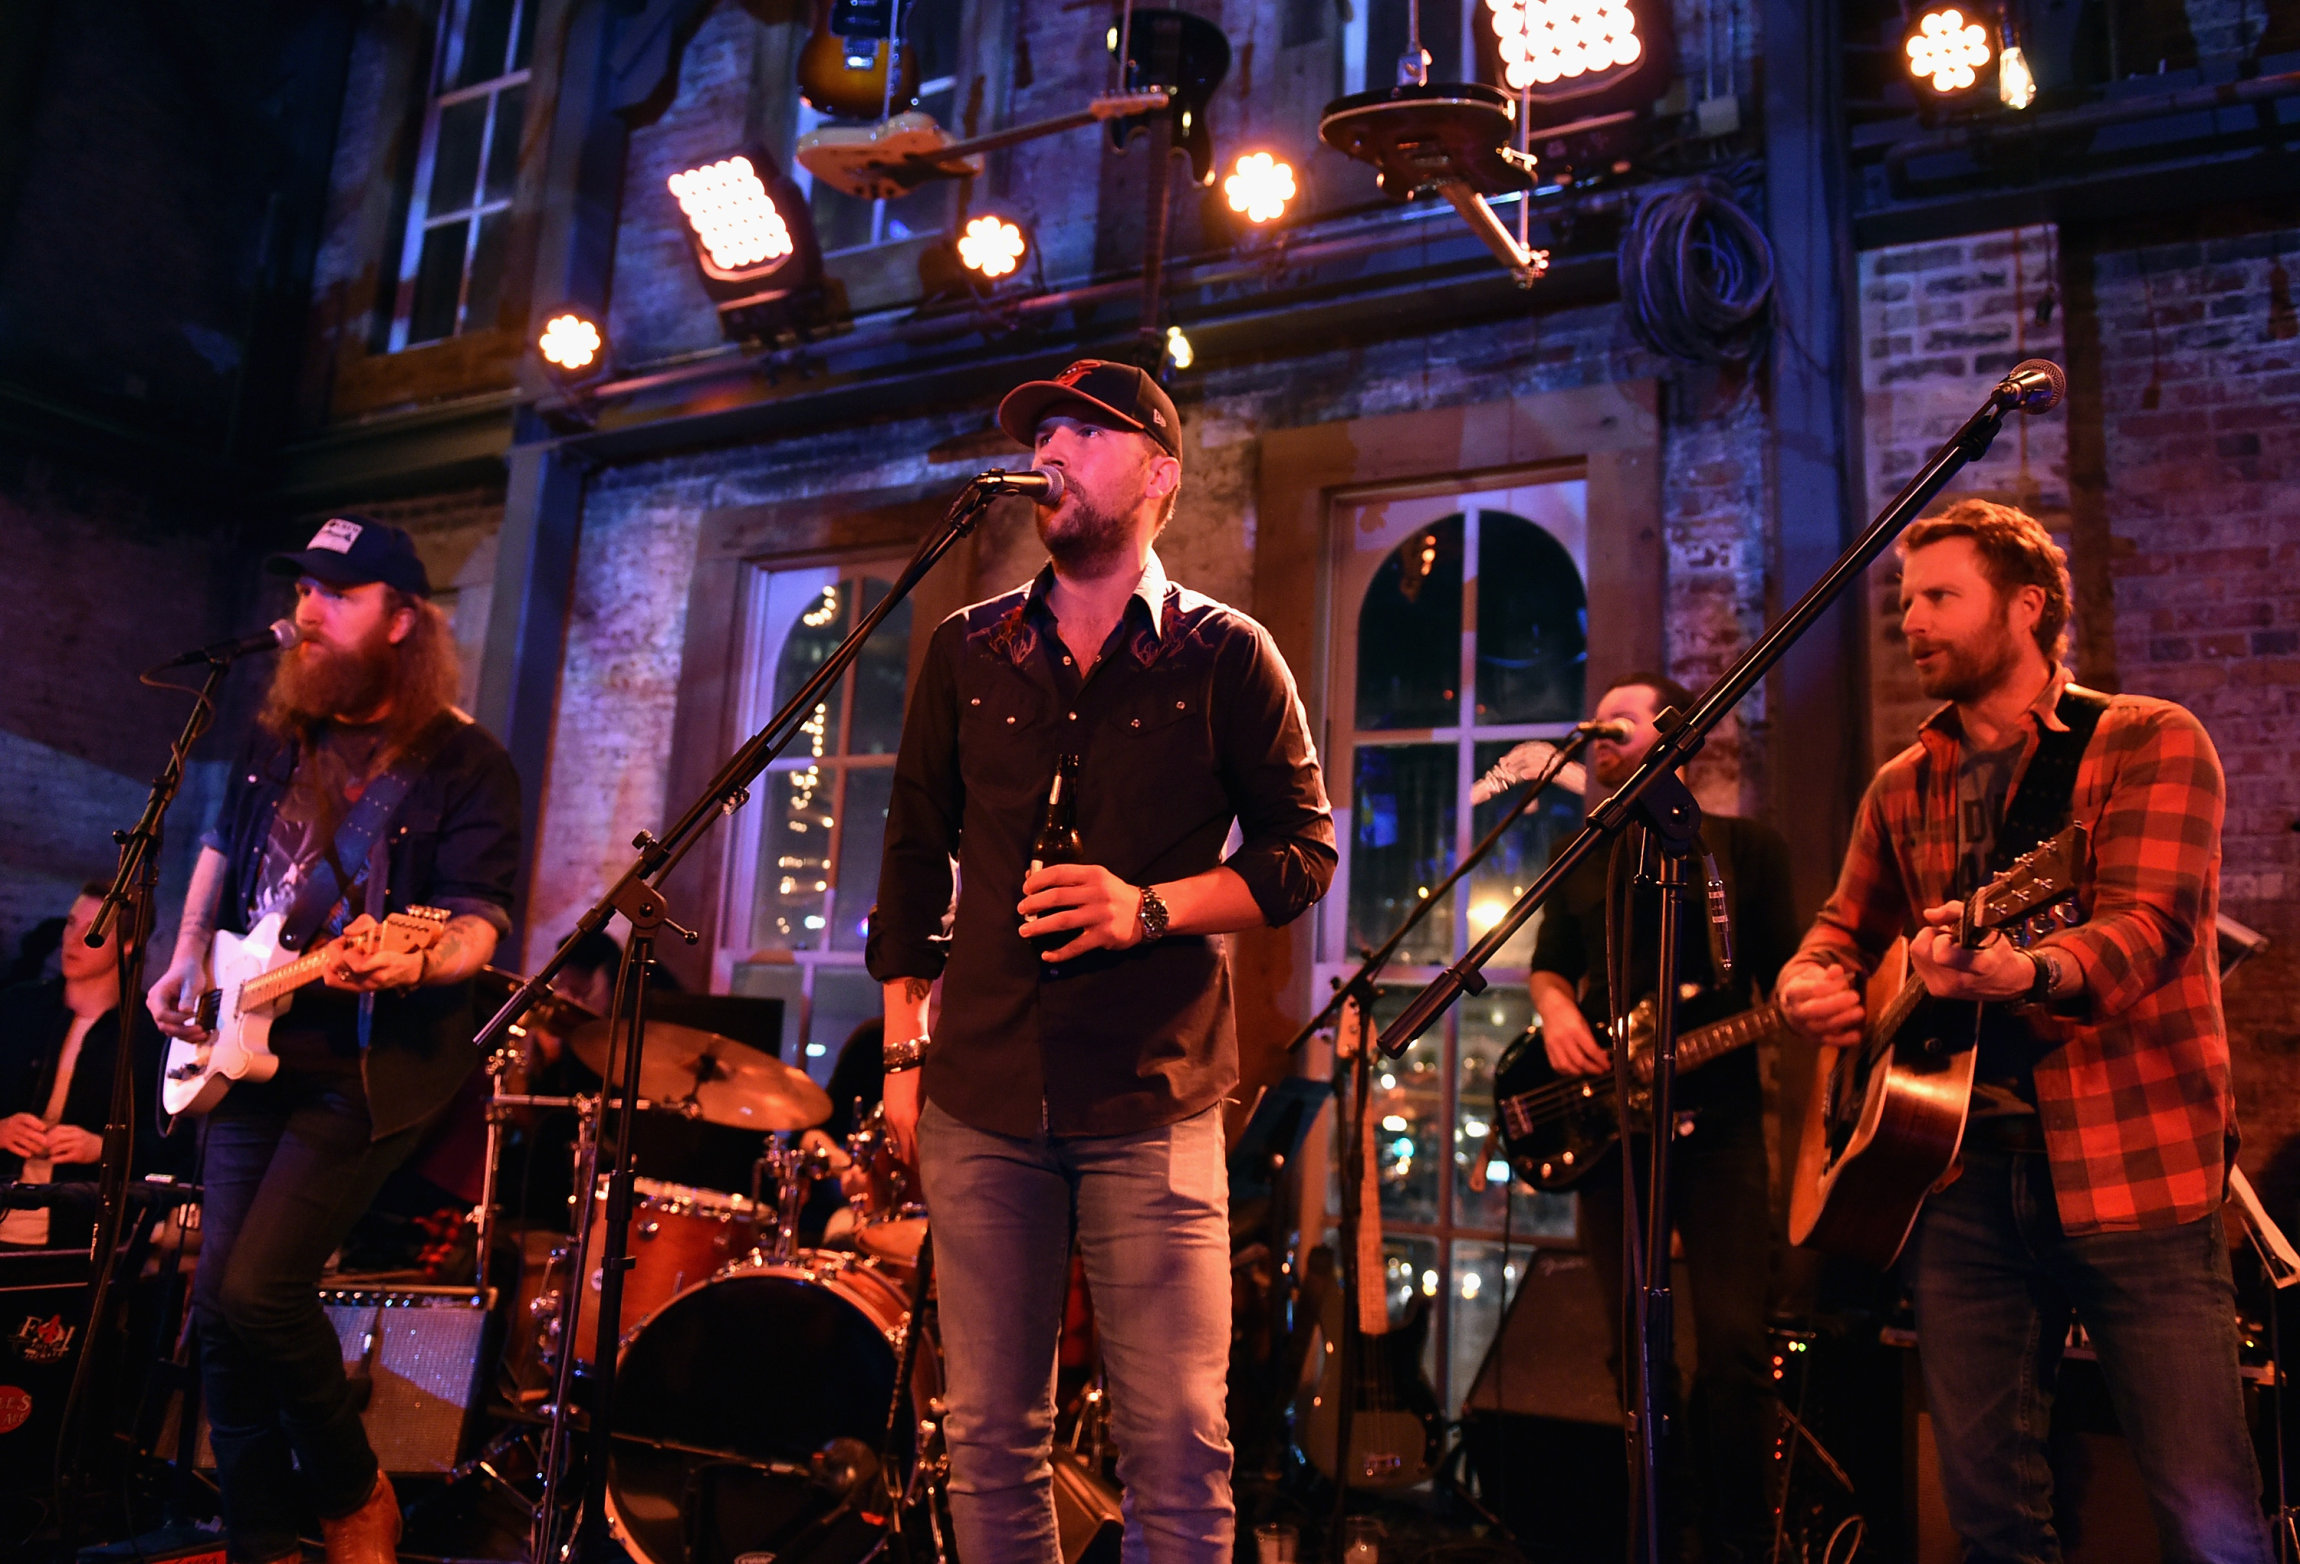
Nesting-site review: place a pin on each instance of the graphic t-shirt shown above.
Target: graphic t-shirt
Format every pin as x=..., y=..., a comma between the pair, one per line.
x=2002, y=1078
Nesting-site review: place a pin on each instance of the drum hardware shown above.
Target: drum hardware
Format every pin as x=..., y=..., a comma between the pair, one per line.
x=889, y=1222
x=713, y=1078
x=795, y=1169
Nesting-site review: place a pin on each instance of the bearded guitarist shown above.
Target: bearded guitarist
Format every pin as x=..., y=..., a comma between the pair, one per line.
x=361, y=793
x=2101, y=1124
x=1720, y=1189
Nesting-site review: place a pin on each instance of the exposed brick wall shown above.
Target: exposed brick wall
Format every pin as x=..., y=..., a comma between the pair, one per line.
x=1940, y=324
x=2204, y=485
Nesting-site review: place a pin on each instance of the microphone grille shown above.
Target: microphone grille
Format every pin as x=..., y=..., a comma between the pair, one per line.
x=2044, y=398
x=286, y=633
x=1053, y=477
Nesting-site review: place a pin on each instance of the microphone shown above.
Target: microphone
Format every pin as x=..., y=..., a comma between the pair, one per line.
x=2035, y=385
x=1618, y=729
x=1042, y=484
x=281, y=635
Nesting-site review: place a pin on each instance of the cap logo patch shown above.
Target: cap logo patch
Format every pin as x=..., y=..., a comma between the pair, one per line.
x=1077, y=372
x=336, y=535
x=1158, y=418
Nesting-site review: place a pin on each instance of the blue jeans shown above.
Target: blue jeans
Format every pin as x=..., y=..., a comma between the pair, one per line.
x=288, y=1167
x=1151, y=1212
x=1996, y=1281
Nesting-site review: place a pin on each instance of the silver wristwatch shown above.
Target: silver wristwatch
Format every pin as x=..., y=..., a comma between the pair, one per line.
x=1153, y=916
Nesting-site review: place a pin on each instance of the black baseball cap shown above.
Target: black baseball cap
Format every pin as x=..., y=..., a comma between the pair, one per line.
x=1096, y=389
x=352, y=551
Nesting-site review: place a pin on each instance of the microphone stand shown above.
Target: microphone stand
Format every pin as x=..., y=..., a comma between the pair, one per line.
x=637, y=895
x=1364, y=987
x=1656, y=797
x=127, y=906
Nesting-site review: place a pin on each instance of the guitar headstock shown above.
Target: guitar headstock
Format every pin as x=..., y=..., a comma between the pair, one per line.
x=2036, y=895
x=404, y=933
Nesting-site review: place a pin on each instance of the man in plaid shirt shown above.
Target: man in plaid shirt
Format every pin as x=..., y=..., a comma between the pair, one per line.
x=2102, y=1123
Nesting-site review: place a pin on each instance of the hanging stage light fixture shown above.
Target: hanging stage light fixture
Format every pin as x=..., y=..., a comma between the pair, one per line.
x=1950, y=50
x=992, y=246
x=753, y=243
x=1260, y=187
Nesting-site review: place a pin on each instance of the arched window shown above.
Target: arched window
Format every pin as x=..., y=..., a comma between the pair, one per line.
x=803, y=865
x=1461, y=630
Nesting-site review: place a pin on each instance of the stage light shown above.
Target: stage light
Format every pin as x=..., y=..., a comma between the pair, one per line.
x=571, y=344
x=1179, y=353
x=2016, y=83
x=1543, y=42
x=1259, y=187
x=1948, y=50
x=737, y=223
x=992, y=246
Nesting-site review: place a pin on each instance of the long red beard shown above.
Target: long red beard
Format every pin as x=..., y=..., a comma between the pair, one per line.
x=315, y=681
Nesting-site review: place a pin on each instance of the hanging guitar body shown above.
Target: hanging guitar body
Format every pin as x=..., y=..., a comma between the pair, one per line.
x=844, y=62
x=1187, y=56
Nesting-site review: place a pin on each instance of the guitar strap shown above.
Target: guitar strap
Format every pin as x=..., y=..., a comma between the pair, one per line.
x=360, y=839
x=2040, y=807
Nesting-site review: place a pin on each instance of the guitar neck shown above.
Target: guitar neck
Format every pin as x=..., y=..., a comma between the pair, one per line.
x=1371, y=1289
x=282, y=981
x=1704, y=1043
x=1013, y=135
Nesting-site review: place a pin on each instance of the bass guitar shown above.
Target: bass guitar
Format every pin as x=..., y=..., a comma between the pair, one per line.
x=1886, y=1115
x=1554, y=1126
x=254, y=980
x=1396, y=1425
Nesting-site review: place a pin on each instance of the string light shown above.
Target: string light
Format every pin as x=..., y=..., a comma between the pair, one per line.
x=733, y=216
x=992, y=246
x=1947, y=50
x=570, y=343
x=1178, y=350
x=1543, y=42
x=1260, y=186
x=2016, y=83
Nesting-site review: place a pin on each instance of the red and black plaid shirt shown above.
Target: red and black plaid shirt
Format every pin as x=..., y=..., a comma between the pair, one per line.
x=2132, y=1085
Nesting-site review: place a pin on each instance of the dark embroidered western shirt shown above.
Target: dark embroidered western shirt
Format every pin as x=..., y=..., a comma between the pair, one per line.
x=1189, y=720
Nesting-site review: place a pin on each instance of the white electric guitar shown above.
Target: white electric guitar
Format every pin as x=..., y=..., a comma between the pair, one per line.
x=254, y=981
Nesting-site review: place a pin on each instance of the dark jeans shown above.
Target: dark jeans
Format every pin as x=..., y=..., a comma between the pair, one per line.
x=1721, y=1204
x=289, y=1168
x=1996, y=1282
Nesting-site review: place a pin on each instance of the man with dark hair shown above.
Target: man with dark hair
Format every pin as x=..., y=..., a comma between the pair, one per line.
x=361, y=791
x=58, y=1042
x=2094, y=1161
x=1077, y=1086
x=1720, y=1200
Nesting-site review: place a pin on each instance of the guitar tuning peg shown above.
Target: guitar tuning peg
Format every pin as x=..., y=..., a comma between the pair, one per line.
x=2071, y=912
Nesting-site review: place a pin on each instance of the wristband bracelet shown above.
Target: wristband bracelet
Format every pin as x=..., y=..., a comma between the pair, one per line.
x=895, y=1058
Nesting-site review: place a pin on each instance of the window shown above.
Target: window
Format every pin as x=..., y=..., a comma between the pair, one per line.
x=845, y=223
x=1375, y=33
x=803, y=863
x=466, y=168
x=1460, y=630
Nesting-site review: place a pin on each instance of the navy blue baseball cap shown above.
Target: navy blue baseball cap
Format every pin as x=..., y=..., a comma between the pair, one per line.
x=352, y=551
x=1118, y=395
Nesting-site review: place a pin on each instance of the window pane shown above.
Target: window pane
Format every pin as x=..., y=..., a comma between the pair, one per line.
x=1532, y=624
x=1409, y=634
x=1402, y=799
x=524, y=50
x=438, y=283
x=809, y=645
x=794, y=860
x=870, y=789
x=784, y=980
x=878, y=676
x=1483, y=1282
x=484, y=299
x=1411, y=1281
x=934, y=34
x=503, y=151
x=841, y=221
x=455, y=156
x=845, y=997
x=486, y=41
x=1490, y=1023
x=1518, y=858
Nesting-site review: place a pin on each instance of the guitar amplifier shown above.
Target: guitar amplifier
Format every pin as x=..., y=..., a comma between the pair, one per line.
x=419, y=1352
x=43, y=1312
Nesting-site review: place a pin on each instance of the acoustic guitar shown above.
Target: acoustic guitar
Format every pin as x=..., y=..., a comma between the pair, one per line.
x=1886, y=1115
x=1554, y=1126
x=1396, y=1426
x=254, y=981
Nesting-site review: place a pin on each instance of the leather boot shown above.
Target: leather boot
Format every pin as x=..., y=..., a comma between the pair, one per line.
x=369, y=1534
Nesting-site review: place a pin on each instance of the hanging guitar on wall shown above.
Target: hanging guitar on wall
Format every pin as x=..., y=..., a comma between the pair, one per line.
x=845, y=61
x=1187, y=56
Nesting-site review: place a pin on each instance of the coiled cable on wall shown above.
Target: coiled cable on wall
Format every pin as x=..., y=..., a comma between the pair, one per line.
x=1696, y=273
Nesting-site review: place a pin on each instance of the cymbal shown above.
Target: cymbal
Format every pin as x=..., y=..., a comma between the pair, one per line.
x=552, y=1010
x=725, y=1082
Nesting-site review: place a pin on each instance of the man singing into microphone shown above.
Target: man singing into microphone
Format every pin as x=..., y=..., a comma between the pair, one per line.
x=362, y=791
x=1718, y=1184
x=1081, y=1090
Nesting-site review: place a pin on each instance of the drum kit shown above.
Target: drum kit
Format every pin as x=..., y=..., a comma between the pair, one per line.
x=771, y=1397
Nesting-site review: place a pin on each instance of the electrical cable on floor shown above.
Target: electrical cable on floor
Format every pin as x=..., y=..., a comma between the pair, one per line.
x=1696, y=275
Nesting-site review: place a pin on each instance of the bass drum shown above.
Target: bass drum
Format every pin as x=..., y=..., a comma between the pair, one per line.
x=726, y=1396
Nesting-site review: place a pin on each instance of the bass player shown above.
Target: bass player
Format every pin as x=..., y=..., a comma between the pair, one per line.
x=2101, y=1122
x=362, y=788
x=1720, y=1190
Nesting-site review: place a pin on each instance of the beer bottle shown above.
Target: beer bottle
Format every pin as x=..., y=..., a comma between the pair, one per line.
x=1058, y=840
